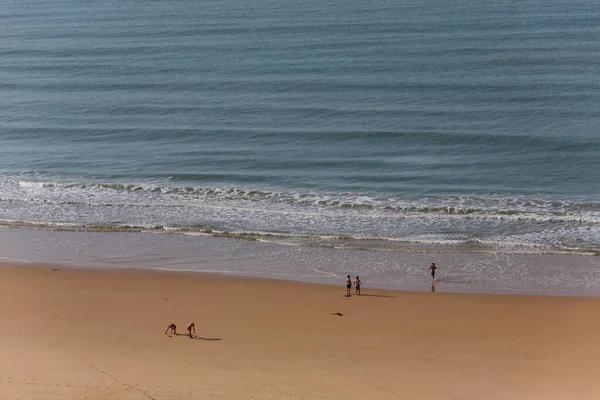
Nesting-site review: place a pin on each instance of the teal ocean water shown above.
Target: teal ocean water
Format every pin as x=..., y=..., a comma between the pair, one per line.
x=447, y=126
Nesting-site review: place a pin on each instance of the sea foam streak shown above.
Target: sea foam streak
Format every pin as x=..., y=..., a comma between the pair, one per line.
x=383, y=222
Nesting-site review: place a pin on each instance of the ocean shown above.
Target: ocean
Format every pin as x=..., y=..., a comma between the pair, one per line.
x=305, y=140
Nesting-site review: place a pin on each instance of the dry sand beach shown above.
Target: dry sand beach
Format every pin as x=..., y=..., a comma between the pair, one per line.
x=99, y=334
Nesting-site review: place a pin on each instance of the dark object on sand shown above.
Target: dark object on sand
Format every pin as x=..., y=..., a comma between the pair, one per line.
x=339, y=314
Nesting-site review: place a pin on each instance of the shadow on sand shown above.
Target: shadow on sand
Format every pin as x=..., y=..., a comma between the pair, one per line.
x=193, y=337
x=373, y=295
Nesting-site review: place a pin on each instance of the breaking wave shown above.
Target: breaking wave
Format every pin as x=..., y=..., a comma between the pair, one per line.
x=349, y=221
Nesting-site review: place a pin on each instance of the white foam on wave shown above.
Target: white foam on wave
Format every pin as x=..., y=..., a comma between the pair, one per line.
x=271, y=215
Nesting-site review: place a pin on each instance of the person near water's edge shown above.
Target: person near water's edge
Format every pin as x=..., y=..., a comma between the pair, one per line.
x=357, y=285
x=348, y=284
x=432, y=267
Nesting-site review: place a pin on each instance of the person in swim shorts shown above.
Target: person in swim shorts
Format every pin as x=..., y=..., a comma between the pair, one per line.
x=432, y=267
x=348, y=284
x=191, y=327
x=172, y=328
x=357, y=285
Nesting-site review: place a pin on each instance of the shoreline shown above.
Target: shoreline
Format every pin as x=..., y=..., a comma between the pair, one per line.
x=193, y=274
x=99, y=333
x=555, y=275
x=351, y=244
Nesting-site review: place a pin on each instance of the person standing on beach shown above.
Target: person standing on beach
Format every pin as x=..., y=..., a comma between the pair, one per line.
x=432, y=267
x=190, y=327
x=357, y=285
x=348, y=285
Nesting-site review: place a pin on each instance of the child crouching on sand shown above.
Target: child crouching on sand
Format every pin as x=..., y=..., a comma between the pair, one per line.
x=190, y=327
x=172, y=328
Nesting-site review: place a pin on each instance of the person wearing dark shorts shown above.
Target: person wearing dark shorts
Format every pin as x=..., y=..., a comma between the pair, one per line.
x=348, y=284
x=432, y=267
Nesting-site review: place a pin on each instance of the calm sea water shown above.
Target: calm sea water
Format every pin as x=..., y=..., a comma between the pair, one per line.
x=454, y=126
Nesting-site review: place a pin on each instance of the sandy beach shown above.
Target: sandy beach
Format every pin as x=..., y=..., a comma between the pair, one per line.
x=99, y=334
